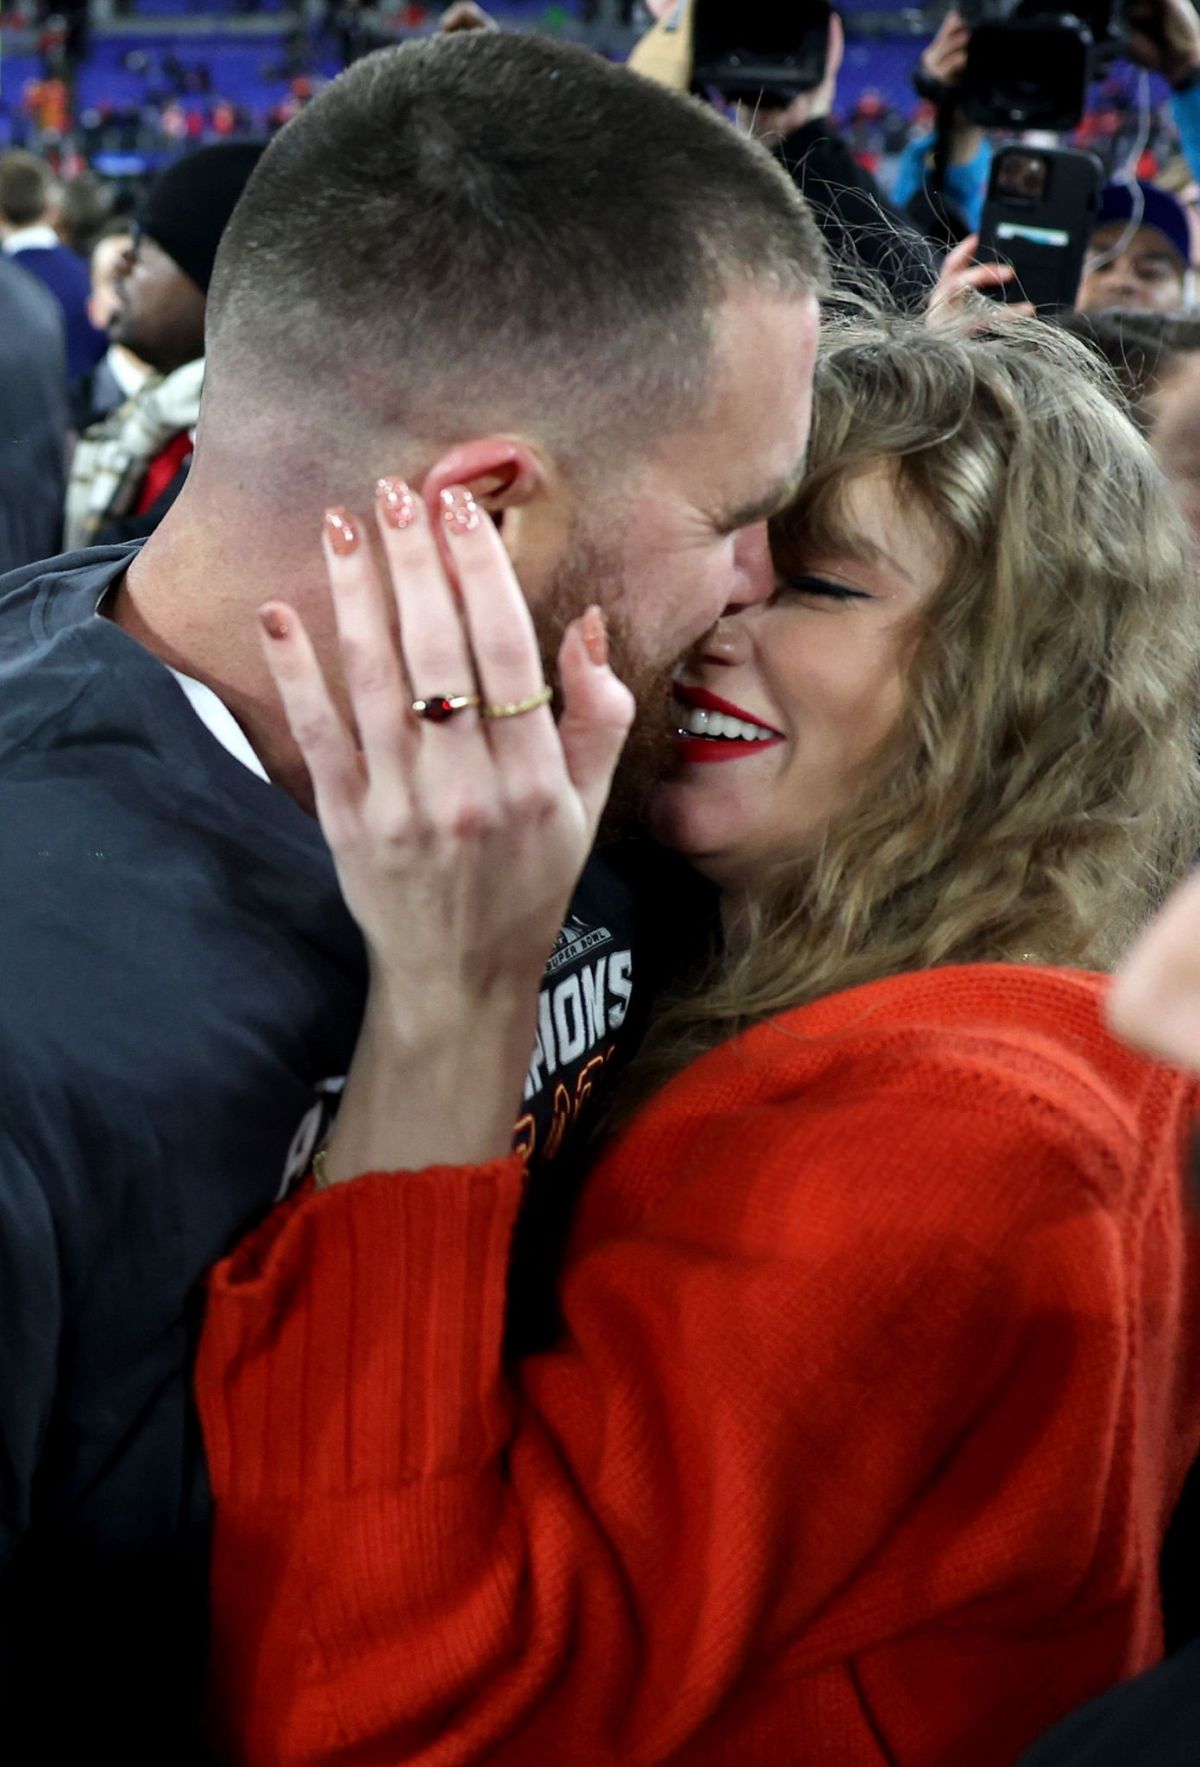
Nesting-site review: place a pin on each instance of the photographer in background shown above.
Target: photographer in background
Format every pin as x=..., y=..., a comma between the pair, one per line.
x=948, y=208
x=1164, y=38
x=876, y=250
x=1148, y=272
x=862, y=229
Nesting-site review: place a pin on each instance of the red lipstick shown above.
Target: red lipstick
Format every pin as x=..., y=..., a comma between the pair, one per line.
x=688, y=695
x=703, y=749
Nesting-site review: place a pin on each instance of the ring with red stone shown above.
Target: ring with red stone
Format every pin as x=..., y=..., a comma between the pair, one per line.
x=442, y=706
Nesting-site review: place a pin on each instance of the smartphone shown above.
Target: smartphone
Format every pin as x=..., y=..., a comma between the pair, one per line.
x=1039, y=215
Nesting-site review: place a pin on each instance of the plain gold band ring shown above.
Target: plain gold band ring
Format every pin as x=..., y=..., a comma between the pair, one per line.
x=520, y=706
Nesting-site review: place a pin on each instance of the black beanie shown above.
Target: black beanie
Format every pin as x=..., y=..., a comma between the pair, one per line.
x=187, y=209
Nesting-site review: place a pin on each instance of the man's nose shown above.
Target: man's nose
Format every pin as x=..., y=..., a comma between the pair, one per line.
x=754, y=569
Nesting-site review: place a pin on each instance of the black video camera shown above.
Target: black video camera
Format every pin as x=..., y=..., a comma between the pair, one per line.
x=1031, y=62
x=760, y=48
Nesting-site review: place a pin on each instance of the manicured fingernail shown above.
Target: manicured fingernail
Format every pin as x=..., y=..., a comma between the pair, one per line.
x=397, y=505
x=273, y=623
x=460, y=512
x=341, y=532
x=593, y=629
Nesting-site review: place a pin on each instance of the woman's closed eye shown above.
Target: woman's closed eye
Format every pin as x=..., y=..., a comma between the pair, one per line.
x=825, y=588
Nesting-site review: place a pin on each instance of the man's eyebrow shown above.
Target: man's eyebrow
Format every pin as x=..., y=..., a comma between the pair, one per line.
x=769, y=504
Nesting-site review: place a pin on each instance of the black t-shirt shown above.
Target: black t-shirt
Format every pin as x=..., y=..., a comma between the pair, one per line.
x=1151, y=1722
x=180, y=990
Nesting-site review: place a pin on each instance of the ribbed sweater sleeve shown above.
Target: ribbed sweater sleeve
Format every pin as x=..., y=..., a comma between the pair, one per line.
x=413, y=1266
x=766, y=1394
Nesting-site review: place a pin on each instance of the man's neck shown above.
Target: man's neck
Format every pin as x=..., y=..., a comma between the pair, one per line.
x=38, y=235
x=190, y=597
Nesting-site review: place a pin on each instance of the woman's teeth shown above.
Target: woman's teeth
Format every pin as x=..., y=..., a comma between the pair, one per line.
x=694, y=721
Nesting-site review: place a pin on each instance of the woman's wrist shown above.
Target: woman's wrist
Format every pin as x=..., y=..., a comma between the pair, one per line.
x=449, y=1099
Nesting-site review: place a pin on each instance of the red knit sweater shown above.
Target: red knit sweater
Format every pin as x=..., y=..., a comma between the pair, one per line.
x=880, y=1377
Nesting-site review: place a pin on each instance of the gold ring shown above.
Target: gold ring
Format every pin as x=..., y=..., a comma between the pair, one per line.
x=443, y=706
x=520, y=706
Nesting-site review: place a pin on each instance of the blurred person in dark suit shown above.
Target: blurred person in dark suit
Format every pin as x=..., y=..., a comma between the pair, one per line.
x=33, y=419
x=120, y=373
x=28, y=237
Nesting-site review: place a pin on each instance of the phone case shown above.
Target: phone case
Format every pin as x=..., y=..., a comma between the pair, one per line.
x=1038, y=217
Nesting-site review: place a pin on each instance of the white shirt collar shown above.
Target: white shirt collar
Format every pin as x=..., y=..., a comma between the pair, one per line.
x=214, y=714
x=35, y=238
x=221, y=722
x=130, y=378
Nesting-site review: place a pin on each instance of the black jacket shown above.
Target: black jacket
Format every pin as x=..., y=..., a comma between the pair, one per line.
x=180, y=992
x=876, y=250
x=33, y=419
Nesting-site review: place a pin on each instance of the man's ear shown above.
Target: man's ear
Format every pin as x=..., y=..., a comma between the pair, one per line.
x=501, y=472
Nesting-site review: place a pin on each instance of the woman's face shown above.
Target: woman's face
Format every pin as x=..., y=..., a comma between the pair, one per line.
x=780, y=706
x=1175, y=436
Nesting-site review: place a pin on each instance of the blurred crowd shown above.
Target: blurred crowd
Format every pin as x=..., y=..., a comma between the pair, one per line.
x=85, y=236
x=183, y=92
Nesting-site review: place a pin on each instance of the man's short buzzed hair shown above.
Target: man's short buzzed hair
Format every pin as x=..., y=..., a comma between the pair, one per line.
x=477, y=232
x=25, y=185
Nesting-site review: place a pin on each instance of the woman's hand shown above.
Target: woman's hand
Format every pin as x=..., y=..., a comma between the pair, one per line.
x=961, y=278
x=457, y=843
x=1155, y=998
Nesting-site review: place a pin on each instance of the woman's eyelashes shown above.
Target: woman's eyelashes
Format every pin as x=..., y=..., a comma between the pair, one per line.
x=824, y=587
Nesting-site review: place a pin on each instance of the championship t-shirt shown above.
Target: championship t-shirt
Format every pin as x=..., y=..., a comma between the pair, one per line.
x=180, y=991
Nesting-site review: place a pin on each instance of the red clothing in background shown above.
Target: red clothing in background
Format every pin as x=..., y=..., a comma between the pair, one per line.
x=162, y=470
x=879, y=1380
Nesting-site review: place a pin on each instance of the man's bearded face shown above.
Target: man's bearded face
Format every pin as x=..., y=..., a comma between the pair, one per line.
x=590, y=573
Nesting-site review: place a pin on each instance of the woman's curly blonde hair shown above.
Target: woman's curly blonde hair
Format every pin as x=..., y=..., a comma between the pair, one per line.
x=1041, y=790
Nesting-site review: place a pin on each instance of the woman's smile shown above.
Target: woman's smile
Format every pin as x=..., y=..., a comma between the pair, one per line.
x=710, y=728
